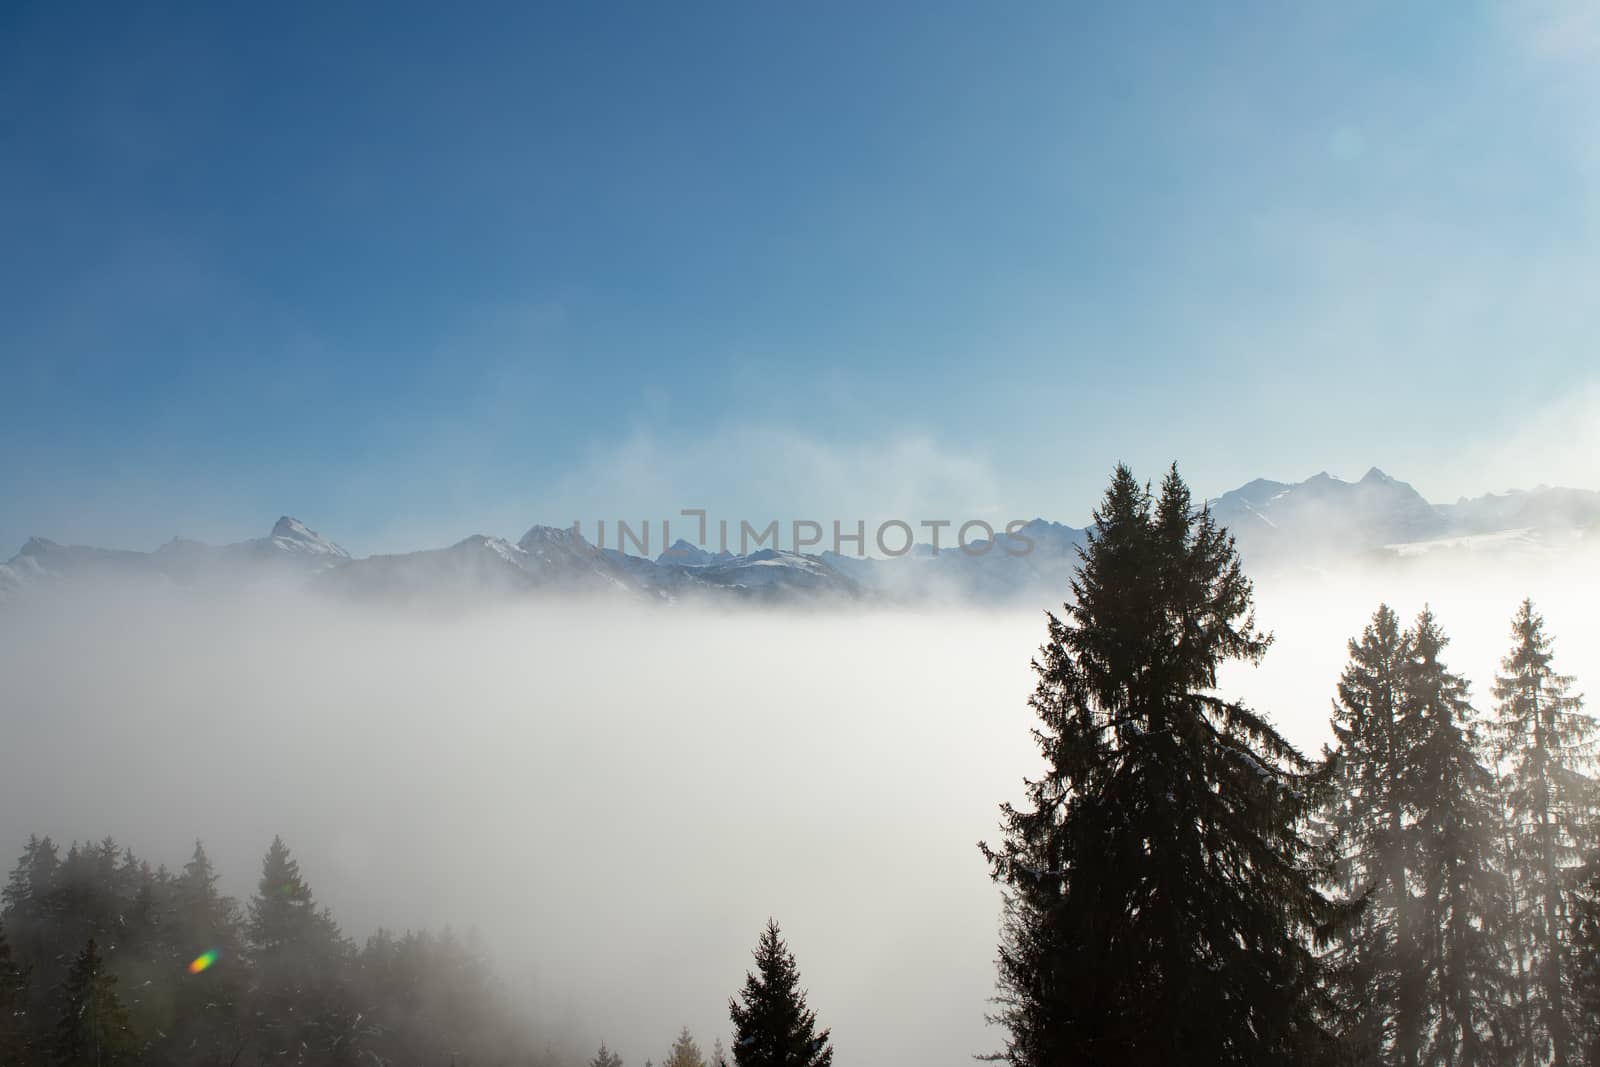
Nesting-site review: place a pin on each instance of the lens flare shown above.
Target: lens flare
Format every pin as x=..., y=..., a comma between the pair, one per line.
x=204, y=960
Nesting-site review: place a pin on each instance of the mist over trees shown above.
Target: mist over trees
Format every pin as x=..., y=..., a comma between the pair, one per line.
x=109, y=961
x=1183, y=886
x=168, y=971
x=1544, y=747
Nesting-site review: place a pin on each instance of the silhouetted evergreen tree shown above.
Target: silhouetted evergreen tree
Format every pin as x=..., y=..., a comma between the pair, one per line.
x=1374, y=965
x=1162, y=894
x=772, y=1027
x=1545, y=745
x=1457, y=835
x=93, y=1025
x=719, y=1056
x=605, y=1058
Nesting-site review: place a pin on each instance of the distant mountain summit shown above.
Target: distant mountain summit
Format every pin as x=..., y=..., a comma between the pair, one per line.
x=1543, y=508
x=1318, y=522
x=1324, y=516
x=292, y=536
x=682, y=554
x=290, y=549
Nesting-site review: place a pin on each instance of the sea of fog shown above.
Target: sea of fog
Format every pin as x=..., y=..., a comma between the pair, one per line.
x=617, y=799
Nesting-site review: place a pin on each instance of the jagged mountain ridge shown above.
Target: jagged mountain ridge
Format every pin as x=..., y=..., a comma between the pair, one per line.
x=1319, y=520
x=1324, y=515
x=1324, y=518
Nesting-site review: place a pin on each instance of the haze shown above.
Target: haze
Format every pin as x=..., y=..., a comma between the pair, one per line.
x=618, y=799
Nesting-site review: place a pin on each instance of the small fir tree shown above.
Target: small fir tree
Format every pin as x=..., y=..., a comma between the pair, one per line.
x=772, y=1027
x=685, y=1053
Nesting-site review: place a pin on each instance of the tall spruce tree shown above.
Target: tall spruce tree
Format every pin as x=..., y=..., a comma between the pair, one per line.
x=1457, y=834
x=772, y=1027
x=1374, y=734
x=605, y=1058
x=92, y=1030
x=1162, y=895
x=1545, y=747
x=299, y=958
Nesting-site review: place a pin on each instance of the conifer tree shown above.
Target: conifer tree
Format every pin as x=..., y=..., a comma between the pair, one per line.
x=605, y=1058
x=772, y=1027
x=206, y=923
x=33, y=878
x=1374, y=963
x=1457, y=833
x=93, y=1028
x=685, y=1053
x=424, y=999
x=1162, y=895
x=299, y=959
x=203, y=914
x=15, y=1047
x=32, y=910
x=1545, y=747
x=719, y=1056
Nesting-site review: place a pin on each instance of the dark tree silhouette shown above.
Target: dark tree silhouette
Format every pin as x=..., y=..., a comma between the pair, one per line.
x=1374, y=738
x=772, y=1027
x=1162, y=895
x=1544, y=742
x=1457, y=832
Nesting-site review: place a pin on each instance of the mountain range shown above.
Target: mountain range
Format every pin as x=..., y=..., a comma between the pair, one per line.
x=1315, y=523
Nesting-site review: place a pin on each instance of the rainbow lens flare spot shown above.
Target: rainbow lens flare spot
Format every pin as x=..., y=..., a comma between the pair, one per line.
x=204, y=960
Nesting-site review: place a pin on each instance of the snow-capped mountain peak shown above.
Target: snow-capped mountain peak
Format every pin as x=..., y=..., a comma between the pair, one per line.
x=551, y=536
x=292, y=535
x=683, y=554
x=1323, y=519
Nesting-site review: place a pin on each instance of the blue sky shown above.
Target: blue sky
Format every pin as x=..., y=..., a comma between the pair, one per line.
x=414, y=273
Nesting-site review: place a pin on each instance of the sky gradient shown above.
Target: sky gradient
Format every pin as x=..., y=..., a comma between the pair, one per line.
x=412, y=273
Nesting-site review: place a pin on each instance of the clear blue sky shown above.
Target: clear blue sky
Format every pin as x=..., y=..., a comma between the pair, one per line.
x=414, y=272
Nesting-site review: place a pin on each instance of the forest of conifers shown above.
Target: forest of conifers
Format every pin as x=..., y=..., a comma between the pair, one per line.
x=104, y=960
x=1181, y=885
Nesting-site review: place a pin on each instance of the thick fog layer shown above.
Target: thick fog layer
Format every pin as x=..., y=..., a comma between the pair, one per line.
x=619, y=798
